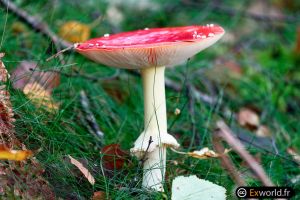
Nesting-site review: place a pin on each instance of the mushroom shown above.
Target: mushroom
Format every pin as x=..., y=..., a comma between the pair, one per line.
x=151, y=51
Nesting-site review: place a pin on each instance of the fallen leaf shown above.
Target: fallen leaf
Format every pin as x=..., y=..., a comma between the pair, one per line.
x=74, y=31
x=206, y=153
x=294, y=154
x=203, y=153
x=113, y=157
x=83, y=170
x=29, y=72
x=16, y=155
x=40, y=97
x=99, y=195
x=248, y=118
x=193, y=188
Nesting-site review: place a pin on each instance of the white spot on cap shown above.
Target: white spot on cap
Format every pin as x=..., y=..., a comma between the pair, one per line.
x=106, y=35
x=97, y=44
x=203, y=36
x=211, y=25
x=211, y=35
x=146, y=28
x=91, y=45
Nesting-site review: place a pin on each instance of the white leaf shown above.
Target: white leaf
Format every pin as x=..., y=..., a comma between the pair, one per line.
x=193, y=188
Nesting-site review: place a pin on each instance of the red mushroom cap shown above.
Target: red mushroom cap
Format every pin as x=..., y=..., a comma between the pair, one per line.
x=150, y=47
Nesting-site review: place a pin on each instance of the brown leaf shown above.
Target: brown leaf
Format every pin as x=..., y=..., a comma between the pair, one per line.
x=113, y=157
x=74, y=31
x=99, y=195
x=29, y=72
x=248, y=118
x=83, y=170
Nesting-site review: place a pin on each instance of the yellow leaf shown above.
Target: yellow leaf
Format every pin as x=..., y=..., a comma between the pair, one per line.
x=40, y=97
x=74, y=31
x=17, y=155
x=206, y=153
x=203, y=154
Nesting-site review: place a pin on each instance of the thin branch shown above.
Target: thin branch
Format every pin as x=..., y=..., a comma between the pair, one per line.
x=227, y=163
x=90, y=118
x=225, y=132
x=143, y=159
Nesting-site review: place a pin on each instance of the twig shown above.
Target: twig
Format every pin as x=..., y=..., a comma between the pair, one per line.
x=61, y=52
x=143, y=159
x=90, y=118
x=227, y=163
x=225, y=132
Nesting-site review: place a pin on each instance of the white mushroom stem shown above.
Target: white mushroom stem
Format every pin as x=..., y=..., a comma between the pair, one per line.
x=155, y=113
x=155, y=119
x=155, y=116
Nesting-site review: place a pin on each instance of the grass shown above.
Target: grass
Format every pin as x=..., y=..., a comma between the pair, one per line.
x=269, y=82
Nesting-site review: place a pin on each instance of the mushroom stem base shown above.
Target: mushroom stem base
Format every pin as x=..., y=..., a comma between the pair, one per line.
x=154, y=169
